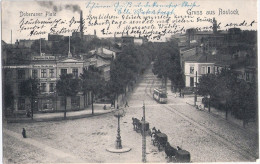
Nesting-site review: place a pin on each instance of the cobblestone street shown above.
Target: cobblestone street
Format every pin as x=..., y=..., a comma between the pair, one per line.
x=208, y=138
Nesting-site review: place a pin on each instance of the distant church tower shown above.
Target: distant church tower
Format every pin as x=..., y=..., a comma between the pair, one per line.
x=215, y=26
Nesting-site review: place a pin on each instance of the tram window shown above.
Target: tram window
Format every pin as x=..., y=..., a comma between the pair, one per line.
x=163, y=96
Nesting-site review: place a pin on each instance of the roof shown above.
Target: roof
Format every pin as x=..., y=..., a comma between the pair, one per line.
x=204, y=32
x=202, y=58
x=3, y=42
x=184, y=49
x=113, y=49
x=105, y=56
x=70, y=60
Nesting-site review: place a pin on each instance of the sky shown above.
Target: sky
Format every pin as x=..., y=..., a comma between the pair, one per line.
x=65, y=10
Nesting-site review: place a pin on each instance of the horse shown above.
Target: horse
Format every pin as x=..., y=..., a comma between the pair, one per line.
x=170, y=151
x=136, y=124
x=154, y=136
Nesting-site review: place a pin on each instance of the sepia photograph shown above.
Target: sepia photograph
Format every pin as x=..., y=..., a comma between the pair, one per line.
x=129, y=81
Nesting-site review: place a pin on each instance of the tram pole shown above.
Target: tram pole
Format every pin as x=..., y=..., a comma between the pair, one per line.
x=195, y=97
x=143, y=138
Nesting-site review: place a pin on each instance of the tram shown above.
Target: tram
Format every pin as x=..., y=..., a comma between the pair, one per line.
x=160, y=95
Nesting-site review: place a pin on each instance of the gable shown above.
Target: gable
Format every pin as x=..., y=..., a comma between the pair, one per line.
x=71, y=60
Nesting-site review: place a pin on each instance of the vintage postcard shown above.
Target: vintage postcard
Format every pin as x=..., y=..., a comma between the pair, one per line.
x=129, y=81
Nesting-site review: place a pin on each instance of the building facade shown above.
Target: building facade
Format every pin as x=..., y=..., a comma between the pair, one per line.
x=200, y=64
x=47, y=69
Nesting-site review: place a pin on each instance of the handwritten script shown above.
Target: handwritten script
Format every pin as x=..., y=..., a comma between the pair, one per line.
x=152, y=20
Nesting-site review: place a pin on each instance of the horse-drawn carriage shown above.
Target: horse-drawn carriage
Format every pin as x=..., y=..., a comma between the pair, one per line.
x=159, y=139
x=176, y=155
x=138, y=126
x=173, y=154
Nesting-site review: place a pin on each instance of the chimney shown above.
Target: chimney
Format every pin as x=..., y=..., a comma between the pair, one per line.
x=215, y=26
x=81, y=24
x=11, y=38
x=69, y=54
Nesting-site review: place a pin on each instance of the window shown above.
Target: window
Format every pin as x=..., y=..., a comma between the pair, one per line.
x=247, y=76
x=63, y=71
x=8, y=73
x=51, y=87
x=75, y=72
x=43, y=87
x=75, y=102
x=208, y=69
x=20, y=88
x=203, y=70
x=34, y=73
x=21, y=104
x=47, y=104
x=21, y=74
x=43, y=73
x=51, y=73
x=192, y=70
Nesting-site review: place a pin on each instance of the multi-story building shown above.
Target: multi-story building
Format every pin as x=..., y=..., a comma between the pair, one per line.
x=47, y=69
x=200, y=64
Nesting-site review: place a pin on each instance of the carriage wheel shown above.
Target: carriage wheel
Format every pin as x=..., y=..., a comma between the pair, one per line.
x=159, y=146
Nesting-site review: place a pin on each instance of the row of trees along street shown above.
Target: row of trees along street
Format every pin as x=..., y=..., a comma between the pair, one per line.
x=167, y=64
x=227, y=92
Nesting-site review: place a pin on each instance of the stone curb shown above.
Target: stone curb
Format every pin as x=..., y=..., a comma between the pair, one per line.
x=19, y=120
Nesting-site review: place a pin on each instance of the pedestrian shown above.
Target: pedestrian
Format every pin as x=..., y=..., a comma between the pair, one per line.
x=126, y=104
x=112, y=103
x=183, y=94
x=180, y=94
x=105, y=107
x=24, y=133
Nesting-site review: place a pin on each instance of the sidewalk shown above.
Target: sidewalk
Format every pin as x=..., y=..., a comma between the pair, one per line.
x=251, y=127
x=70, y=115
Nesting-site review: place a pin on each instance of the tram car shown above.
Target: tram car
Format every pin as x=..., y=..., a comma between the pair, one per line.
x=160, y=95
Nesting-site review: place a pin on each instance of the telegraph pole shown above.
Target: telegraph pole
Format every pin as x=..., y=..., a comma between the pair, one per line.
x=144, y=138
x=195, y=97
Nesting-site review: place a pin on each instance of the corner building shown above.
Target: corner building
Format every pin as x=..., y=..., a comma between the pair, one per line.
x=47, y=69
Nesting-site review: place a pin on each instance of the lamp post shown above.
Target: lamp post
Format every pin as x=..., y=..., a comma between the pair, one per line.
x=209, y=102
x=119, y=113
x=118, y=148
x=143, y=138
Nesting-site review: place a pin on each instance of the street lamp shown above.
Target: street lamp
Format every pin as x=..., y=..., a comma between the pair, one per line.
x=119, y=113
x=209, y=102
x=118, y=147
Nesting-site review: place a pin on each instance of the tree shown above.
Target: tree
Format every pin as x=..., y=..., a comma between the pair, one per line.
x=167, y=63
x=92, y=82
x=235, y=94
x=67, y=86
x=207, y=84
x=8, y=97
x=31, y=89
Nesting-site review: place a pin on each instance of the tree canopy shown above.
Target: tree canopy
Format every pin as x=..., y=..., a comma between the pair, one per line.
x=229, y=92
x=67, y=85
x=167, y=63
